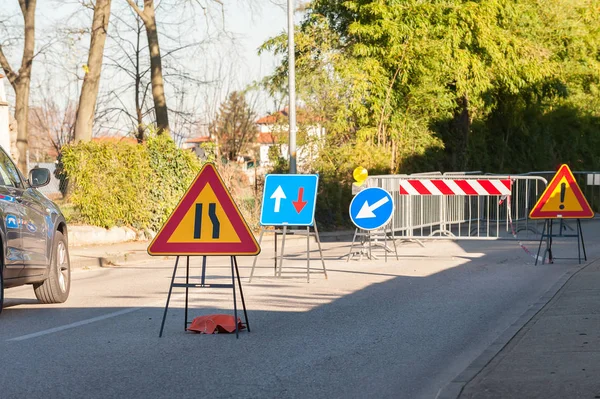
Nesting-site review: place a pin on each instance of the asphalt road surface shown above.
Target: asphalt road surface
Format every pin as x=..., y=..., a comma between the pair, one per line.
x=401, y=329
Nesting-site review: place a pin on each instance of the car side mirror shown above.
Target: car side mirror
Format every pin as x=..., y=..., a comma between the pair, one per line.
x=39, y=177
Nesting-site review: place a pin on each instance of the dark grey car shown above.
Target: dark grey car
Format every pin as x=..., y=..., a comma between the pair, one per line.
x=33, y=234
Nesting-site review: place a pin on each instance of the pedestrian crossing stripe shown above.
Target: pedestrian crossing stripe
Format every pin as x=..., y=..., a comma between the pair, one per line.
x=205, y=222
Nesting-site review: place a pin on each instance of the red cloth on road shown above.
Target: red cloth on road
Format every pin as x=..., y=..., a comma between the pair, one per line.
x=208, y=324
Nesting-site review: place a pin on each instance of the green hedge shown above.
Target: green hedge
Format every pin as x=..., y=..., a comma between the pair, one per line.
x=127, y=184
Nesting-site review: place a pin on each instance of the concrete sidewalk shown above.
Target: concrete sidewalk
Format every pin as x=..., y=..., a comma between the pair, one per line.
x=108, y=255
x=556, y=354
x=88, y=256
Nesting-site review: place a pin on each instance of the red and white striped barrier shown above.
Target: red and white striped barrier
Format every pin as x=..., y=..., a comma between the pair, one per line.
x=455, y=187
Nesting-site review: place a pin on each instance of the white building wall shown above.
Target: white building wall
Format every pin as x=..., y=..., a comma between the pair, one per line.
x=305, y=154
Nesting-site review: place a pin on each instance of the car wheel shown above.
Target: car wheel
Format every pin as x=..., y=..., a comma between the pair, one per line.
x=56, y=287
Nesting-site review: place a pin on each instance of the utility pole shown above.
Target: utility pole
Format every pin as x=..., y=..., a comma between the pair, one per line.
x=292, y=86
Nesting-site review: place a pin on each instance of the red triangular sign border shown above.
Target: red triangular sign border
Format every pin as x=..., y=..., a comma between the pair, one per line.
x=207, y=175
x=586, y=212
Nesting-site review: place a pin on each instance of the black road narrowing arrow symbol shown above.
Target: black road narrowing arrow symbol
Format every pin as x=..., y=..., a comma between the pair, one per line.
x=198, y=222
x=212, y=214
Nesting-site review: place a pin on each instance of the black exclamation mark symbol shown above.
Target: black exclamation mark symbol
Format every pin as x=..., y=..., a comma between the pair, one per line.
x=563, y=187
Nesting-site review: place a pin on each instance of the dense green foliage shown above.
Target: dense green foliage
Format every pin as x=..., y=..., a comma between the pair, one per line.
x=127, y=184
x=449, y=84
x=410, y=85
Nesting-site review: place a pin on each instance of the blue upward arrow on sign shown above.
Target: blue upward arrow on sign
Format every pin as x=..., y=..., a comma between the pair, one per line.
x=371, y=208
x=289, y=200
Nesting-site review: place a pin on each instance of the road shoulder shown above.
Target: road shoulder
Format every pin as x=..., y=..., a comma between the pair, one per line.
x=517, y=364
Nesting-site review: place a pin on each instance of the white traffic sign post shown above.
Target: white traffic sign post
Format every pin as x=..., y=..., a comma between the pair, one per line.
x=371, y=209
x=290, y=200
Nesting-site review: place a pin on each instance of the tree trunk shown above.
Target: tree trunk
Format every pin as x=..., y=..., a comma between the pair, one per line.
x=21, y=81
x=138, y=84
x=22, y=117
x=158, y=85
x=91, y=81
x=462, y=128
x=148, y=15
x=140, y=127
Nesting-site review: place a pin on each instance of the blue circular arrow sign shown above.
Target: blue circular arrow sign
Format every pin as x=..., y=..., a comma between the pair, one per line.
x=371, y=208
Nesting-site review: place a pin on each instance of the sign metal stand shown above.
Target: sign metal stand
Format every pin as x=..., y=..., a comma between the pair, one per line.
x=548, y=234
x=562, y=199
x=187, y=285
x=206, y=222
x=289, y=202
x=371, y=210
x=366, y=243
x=278, y=267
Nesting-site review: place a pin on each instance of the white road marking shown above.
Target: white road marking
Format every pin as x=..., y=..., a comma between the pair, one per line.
x=82, y=322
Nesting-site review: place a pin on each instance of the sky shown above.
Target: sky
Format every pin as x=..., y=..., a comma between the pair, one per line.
x=250, y=22
x=254, y=28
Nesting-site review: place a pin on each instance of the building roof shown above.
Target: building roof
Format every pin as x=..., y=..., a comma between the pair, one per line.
x=302, y=116
x=269, y=119
x=266, y=138
x=199, y=139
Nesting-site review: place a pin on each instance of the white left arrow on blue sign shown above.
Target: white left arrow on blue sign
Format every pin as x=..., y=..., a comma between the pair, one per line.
x=278, y=195
x=366, y=211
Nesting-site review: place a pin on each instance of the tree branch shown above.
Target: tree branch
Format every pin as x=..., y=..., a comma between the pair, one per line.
x=10, y=74
x=23, y=4
x=44, y=48
x=137, y=10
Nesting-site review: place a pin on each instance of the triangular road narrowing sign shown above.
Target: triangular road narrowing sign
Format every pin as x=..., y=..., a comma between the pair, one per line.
x=205, y=222
x=562, y=199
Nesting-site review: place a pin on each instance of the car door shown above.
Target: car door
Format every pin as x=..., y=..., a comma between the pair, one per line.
x=32, y=214
x=34, y=233
x=11, y=213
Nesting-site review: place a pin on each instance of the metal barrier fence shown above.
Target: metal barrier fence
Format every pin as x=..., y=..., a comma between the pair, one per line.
x=462, y=216
x=588, y=181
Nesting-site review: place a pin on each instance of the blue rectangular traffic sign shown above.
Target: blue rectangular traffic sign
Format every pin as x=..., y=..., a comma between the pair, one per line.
x=289, y=200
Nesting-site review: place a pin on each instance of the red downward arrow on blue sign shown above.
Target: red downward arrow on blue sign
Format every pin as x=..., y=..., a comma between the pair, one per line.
x=299, y=204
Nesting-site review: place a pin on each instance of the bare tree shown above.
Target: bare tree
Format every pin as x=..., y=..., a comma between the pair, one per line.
x=91, y=81
x=141, y=90
x=128, y=62
x=52, y=122
x=193, y=84
x=126, y=58
x=148, y=16
x=50, y=128
x=21, y=79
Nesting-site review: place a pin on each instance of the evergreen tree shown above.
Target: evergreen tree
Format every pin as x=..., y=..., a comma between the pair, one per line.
x=234, y=126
